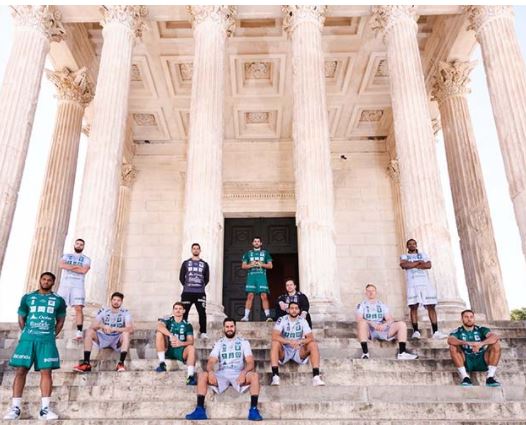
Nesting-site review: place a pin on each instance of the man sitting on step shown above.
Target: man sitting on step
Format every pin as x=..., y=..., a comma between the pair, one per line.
x=174, y=339
x=292, y=339
x=375, y=322
x=236, y=367
x=112, y=328
x=474, y=349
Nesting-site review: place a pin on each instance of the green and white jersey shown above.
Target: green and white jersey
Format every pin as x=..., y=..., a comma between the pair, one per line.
x=373, y=311
x=231, y=353
x=479, y=333
x=41, y=312
x=257, y=274
x=292, y=328
x=181, y=329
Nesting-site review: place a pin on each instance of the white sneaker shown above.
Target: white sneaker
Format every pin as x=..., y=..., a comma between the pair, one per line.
x=275, y=380
x=317, y=382
x=203, y=335
x=47, y=414
x=365, y=355
x=78, y=336
x=416, y=335
x=244, y=319
x=12, y=414
x=407, y=356
x=439, y=335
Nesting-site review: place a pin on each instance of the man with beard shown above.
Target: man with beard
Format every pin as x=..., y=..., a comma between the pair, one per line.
x=74, y=268
x=292, y=339
x=236, y=368
x=282, y=303
x=41, y=317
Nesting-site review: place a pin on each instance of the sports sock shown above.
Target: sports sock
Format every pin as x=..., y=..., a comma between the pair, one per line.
x=462, y=372
x=315, y=371
x=16, y=401
x=275, y=371
x=267, y=312
x=87, y=355
x=365, y=349
x=402, y=347
x=247, y=312
x=161, y=356
x=434, y=326
x=254, y=400
x=200, y=400
x=491, y=371
x=191, y=370
x=123, y=356
x=415, y=327
x=79, y=328
x=45, y=402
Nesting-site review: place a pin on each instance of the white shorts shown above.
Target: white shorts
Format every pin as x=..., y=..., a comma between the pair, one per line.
x=225, y=378
x=72, y=295
x=108, y=340
x=292, y=354
x=382, y=335
x=425, y=295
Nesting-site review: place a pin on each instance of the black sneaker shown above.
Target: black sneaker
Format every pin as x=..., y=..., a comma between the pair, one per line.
x=492, y=382
x=466, y=382
x=161, y=367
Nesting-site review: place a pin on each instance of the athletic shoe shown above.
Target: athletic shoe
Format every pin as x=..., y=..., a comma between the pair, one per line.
x=317, y=382
x=269, y=319
x=254, y=415
x=82, y=367
x=466, y=382
x=12, y=414
x=365, y=355
x=198, y=414
x=203, y=335
x=275, y=380
x=46, y=414
x=120, y=367
x=78, y=336
x=161, y=367
x=439, y=335
x=191, y=380
x=492, y=382
x=244, y=319
x=406, y=356
x=416, y=335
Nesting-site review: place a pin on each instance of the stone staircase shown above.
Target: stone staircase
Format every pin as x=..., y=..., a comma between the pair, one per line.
x=381, y=390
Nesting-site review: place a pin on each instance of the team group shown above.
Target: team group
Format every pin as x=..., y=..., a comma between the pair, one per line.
x=42, y=313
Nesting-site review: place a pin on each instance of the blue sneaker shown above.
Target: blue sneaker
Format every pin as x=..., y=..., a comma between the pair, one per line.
x=198, y=414
x=191, y=380
x=254, y=415
x=161, y=367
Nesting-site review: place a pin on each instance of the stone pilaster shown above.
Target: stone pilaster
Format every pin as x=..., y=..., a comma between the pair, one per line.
x=312, y=161
x=203, y=211
x=100, y=188
x=506, y=75
x=421, y=194
x=477, y=241
x=35, y=28
x=74, y=93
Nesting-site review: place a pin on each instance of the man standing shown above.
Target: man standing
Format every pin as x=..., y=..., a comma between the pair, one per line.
x=236, y=368
x=74, y=268
x=41, y=317
x=420, y=290
x=375, y=322
x=474, y=349
x=282, y=303
x=292, y=339
x=194, y=277
x=174, y=339
x=256, y=261
x=112, y=328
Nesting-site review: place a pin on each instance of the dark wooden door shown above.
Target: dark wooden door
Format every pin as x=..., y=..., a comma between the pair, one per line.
x=279, y=237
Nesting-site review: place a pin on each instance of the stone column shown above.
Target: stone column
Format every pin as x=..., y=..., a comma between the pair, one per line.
x=421, y=194
x=506, y=75
x=35, y=28
x=96, y=222
x=312, y=161
x=74, y=93
x=203, y=211
x=477, y=241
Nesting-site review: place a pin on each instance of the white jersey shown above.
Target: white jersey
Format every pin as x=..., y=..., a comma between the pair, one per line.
x=114, y=319
x=231, y=353
x=373, y=311
x=416, y=277
x=292, y=329
x=70, y=278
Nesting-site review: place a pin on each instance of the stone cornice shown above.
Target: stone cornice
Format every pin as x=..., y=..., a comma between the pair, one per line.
x=132, y=17
x=383, y=18
x=258, y=190
x=481, y=15
x=44, y=19
x=451, y=79
x=223, y=15
x=128, y=174
x=72, y=86
x=295, y=15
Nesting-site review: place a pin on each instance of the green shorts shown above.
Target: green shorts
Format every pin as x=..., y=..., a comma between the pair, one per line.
x=257, y=286
x=476, y=363
x=175, y=353
x=43, y=354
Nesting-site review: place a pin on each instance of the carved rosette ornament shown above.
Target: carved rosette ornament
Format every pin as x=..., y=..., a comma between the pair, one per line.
x=451, y=79
x=132, y=17
x=294, y=15
x=45, y=19
x=222, y=15
x=72, y=86
x=128, y=174
x=480, y=15
x=384, y=17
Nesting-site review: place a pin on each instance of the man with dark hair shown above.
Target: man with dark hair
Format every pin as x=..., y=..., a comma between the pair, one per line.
x=74, y=268
x=282, y=303
x=174, y=339
x=474, y=349
x=41, y=316
x=256, y=262
x=112, y=328
x=194, y=276
x=236, y=368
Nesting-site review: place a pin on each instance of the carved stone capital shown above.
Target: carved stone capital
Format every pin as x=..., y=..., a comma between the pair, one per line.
x=393, y=170
x=451, y=79
x=295, y=15
x=132, y=17
x=383, y=18
x=223, y=15
x=480, y=15
x=45, y=19
x=128, y=174
x=71, y=85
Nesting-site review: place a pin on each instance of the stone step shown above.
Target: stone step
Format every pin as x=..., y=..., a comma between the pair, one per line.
x=267, y=422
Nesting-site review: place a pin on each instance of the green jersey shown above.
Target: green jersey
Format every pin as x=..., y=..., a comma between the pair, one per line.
x=257, y=274
x=41, y=312
x=180, y=329
x=479, y=333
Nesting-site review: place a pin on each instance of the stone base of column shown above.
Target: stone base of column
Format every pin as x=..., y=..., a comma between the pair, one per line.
x=450, y=309
x=214, y=314
x=323, y=309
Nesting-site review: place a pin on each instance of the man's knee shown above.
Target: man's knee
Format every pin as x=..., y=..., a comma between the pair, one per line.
x=413, y=307
x=78, y=308
x=494, y=347
x=21, y=371
x=253, y=378
x=264, y=296
x=250, y=296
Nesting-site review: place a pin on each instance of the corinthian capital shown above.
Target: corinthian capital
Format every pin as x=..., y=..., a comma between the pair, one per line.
x=45, y=19
x=128, y=174
x=222, y=15
x=294, y=15
x=384, y=17
x=132, y=17
x=480, y=15
x=71, y=85
x=451, y=79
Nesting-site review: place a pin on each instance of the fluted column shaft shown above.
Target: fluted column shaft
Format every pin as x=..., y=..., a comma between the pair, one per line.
x=35, y=27
x=506, y=75
x=100, y=189
x=312, y=160
x=423, y=203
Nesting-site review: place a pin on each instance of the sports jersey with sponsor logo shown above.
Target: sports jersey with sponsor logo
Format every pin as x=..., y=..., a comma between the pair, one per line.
x=257, y=274
x=292, y=329
x=180, y=329
x=41, y=312
x=231, y=353
x=373, y=311
x=416, y=277
x=194, y=276
x=71, y=278
x=114, y=319
x=479, y=333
